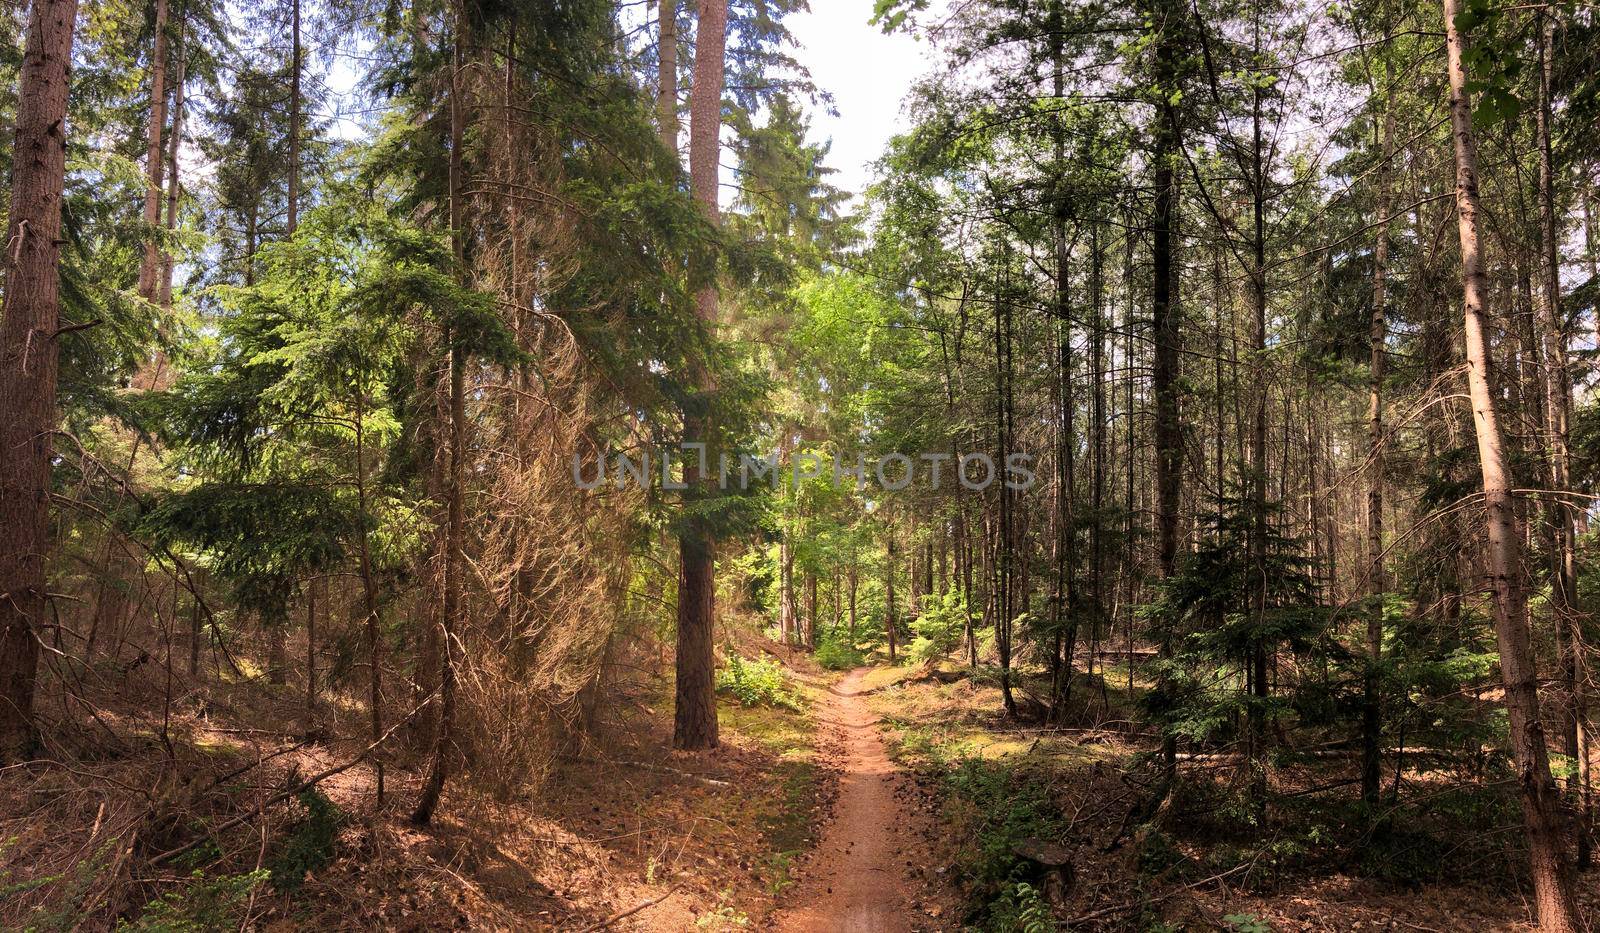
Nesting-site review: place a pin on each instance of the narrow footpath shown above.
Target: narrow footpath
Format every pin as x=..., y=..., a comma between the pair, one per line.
x=856, y=880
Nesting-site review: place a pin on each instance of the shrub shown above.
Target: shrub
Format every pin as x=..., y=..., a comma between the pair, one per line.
x=1004, y=806
x=205, y=904
x=837, y=651
x=757, y=682
x=309, y=845
x=939, y=628
x=1020, y=909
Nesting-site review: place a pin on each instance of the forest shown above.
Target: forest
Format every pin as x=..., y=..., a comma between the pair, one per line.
x=474, y=464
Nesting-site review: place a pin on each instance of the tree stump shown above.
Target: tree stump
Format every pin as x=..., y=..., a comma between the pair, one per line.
x=1051, y=865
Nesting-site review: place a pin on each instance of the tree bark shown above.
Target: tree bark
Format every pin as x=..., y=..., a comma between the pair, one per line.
x=292, y=222
x=452, y=615
x=1377, y=335
x=695, y=708
x=1258, y=444
x=888, y=590
x=1558, y=409
x=29, y=359
x=667, y=74
x=1541, y=804
x=149, y=266
x=313, y=604
x=1164, y=323
x=174, y=180
x=786, y=605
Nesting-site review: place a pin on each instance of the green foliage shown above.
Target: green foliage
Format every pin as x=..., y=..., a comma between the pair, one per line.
x=309, y=844
x=1209, y=612
x=65, y=910
x=202, y=906
x=758, y=682
x=1000, y=805
x=939, y=628
x=837, y=650
x=1020, y=909
x=1492, y=67
x=264, y=535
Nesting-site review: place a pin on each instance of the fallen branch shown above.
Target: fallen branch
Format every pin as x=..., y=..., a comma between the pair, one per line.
x=1130, y=905
x=648, y=766
x=296, y=789
x=629, y=912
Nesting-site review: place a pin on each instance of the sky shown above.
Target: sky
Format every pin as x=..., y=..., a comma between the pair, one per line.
x=868, y=74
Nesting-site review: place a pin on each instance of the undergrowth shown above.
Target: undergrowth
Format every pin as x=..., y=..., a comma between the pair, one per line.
x=837, y=650
x=758, y=682
x=993, y=806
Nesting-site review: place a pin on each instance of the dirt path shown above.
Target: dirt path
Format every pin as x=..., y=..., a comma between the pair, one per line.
x=856, y=879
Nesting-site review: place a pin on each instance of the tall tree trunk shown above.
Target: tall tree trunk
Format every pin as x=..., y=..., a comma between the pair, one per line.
x=315, y=600
x=455, y=530
x=1377, y=335
x=1541, y=804
x=1066, y=640
x=667, y=73
x=277, y=652
x=889, y=621
x=855, y=587
x=1097, y=337
x=1165, y=324
x=811, y=610
x=292, y=222
x=1258, y=444
x=369, y=594
x=174, y=178
x=1558, y=408
x=695, y=708
x=150, y=265
x=786, y=605
x=29, y=360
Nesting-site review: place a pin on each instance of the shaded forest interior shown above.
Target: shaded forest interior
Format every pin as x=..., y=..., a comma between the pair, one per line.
x=468, y=464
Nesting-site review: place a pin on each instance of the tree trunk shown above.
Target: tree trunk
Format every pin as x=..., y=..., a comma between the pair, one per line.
x=174, y=180
x=150, y=265
x=292, y=222
x=1164, y=323
x=450, y=618
x=855, y=585
x=369, y=593
x=1377, y=335
x=29, y=360
x=786, y=604
x=1258, y=445
x=277, y=653
x=1558, y=408
x=1541, y=805
x=888, y=590
x=667, y=74
x=811, y=610
x=315, y=599
x=695, y=708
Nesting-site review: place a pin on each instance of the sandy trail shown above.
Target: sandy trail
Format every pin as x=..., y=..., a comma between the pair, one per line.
x=857, y=881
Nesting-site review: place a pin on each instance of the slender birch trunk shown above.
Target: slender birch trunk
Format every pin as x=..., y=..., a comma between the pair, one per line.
x=1541, y=802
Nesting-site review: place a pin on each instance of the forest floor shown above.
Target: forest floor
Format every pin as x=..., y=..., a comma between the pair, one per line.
x=891, y=799
x=989, y=781
x=622, y=831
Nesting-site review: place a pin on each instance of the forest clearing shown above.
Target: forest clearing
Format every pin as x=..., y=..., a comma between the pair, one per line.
x=907, y=465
